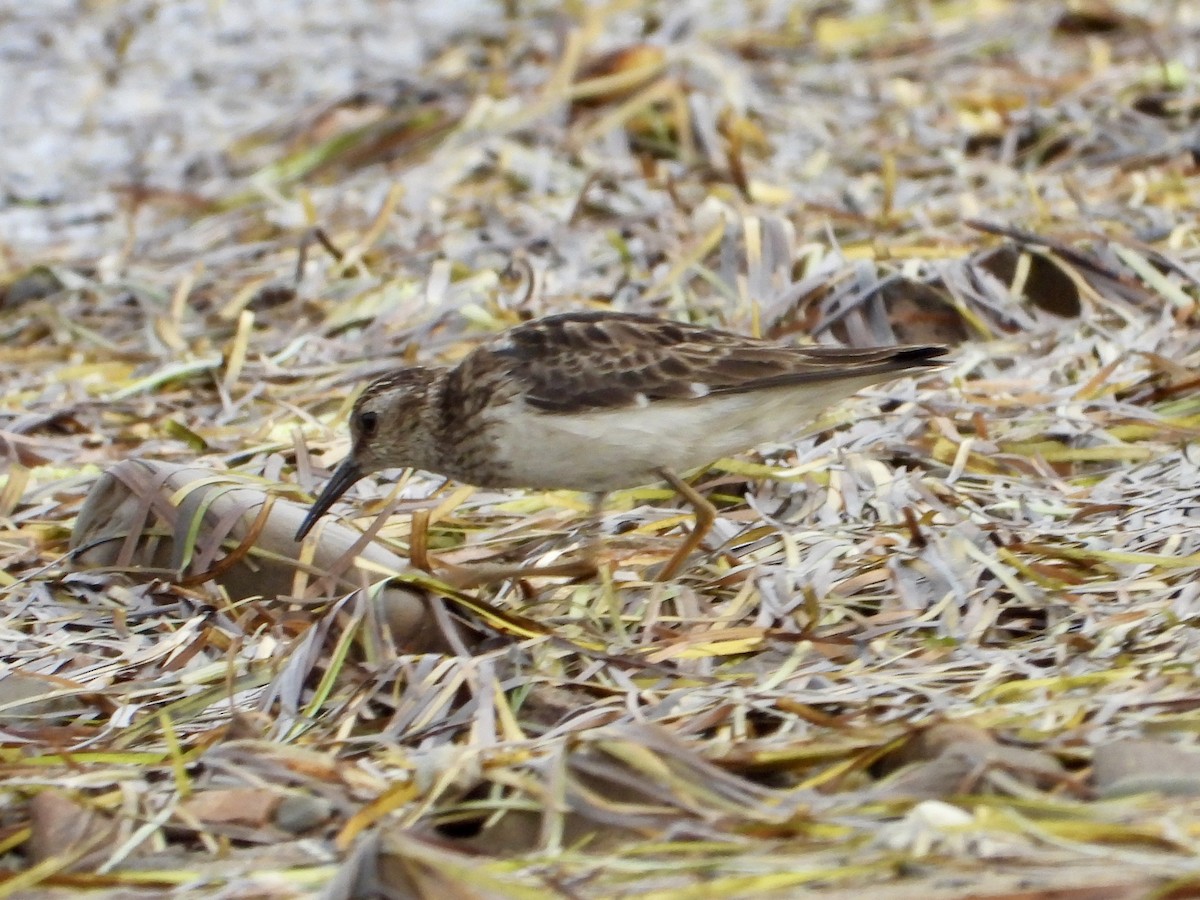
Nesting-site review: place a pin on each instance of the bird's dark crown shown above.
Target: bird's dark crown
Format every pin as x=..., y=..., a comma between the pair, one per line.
x=416, y=377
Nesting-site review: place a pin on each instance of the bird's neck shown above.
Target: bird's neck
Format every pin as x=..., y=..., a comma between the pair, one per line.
x=455, y=439
x=430, y=436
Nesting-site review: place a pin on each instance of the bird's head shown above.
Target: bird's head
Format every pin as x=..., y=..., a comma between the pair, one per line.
x=387, y=431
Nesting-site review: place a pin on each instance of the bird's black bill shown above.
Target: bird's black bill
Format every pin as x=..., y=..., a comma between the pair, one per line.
x=342, y=480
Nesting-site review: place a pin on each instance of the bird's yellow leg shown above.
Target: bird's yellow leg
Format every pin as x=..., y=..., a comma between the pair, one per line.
x=706, y=514
x=593, y=548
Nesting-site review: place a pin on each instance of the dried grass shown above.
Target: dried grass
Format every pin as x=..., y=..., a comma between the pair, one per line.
x=1009, y=548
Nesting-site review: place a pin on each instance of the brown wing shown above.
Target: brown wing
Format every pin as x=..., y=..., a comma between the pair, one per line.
x=598, y=360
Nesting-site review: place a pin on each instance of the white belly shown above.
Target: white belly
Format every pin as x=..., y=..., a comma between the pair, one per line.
x=610, y=449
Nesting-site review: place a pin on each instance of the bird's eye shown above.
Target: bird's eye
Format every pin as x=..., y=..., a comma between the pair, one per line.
x=367, y=423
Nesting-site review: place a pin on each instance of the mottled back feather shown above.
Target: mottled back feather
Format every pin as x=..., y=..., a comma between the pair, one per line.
x=577, y=362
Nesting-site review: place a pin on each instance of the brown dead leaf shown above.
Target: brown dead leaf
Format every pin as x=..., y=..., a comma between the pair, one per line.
x=63, y=828
x=252, y=807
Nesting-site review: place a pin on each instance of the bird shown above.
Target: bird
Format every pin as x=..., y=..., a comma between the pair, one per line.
x=597, y=401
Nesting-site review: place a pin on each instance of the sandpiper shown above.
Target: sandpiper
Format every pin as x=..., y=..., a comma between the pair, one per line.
x=596, y=401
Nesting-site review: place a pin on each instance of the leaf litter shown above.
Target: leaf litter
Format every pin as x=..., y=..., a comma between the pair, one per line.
x=942, y=639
